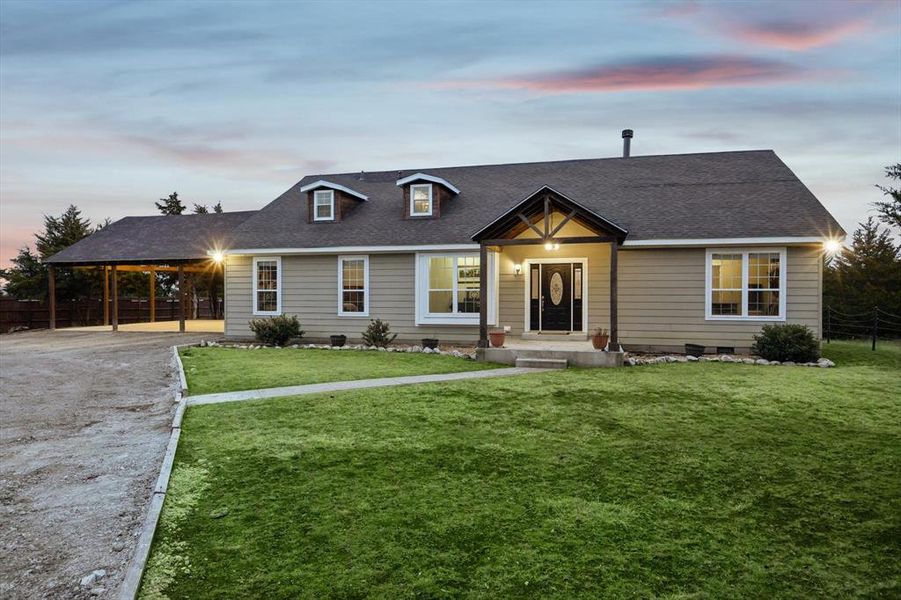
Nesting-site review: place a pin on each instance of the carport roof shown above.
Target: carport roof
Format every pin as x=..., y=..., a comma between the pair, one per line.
x=154, y=240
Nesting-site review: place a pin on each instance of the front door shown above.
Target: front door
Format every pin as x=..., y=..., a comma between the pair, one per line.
x=556, y=297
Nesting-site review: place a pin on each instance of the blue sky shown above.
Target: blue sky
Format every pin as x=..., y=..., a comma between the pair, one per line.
x=112, y=105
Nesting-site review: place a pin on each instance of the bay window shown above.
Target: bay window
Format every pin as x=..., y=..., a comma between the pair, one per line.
x=267, y=285
x=746, y=284
x=353, y=286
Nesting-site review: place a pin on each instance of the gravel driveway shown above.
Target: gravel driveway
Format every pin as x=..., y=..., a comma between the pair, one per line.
x=84, y=422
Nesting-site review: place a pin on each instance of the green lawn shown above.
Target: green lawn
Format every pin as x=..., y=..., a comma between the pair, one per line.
x=681, y=480
x=210, y=370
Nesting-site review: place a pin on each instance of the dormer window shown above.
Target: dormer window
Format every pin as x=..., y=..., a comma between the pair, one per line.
x=421, y=200
x=324, y=205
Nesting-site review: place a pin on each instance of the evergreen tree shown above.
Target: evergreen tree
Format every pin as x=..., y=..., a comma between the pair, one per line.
x=217, y=208
x=201, y=209
x=28, y=278
x=890, y=210
x=171, y=205
x=865, y=275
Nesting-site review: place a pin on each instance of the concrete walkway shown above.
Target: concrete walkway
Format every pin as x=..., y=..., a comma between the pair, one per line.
x=337, y=386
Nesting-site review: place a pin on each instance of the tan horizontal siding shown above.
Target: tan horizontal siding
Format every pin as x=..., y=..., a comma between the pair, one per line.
x=661, y=296
x=662, y=304
x=310, y=291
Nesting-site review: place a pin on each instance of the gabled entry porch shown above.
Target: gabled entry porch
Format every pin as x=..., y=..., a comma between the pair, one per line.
x=557, y=272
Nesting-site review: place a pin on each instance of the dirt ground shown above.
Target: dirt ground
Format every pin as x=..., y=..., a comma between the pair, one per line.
x=84, y=422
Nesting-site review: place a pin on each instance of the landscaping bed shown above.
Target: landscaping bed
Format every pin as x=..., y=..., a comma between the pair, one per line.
x=214, y=369
x=687, y=480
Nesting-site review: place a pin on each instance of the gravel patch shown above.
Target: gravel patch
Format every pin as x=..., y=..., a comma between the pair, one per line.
x=85, y=422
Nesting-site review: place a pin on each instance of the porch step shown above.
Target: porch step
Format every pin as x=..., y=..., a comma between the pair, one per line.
x=541, y=363
x=576, y=336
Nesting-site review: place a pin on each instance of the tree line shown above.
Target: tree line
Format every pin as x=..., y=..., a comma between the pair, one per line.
x=867, y=273
x=27, y=278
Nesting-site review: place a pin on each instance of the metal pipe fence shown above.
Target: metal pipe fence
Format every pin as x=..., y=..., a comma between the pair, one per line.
x=872, y=324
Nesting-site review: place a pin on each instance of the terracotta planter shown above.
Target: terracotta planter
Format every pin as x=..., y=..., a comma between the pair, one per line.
x=599, y=341
x=497, y=338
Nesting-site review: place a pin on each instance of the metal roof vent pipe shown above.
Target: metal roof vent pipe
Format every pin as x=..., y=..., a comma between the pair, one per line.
x=627, y=142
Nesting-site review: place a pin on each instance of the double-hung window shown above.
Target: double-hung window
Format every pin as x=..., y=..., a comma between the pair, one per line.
x=448, y=289
x=421, y=200
x=324, y=205
x=746, y=284
x=267, y=285
x=353, y=286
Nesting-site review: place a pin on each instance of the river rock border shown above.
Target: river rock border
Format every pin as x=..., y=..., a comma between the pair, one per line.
x=403, y=348
x=634, y=361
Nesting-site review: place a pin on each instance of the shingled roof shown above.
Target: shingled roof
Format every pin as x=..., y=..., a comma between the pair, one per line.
x=156, y=239
x=718, y=195
x=746, y=194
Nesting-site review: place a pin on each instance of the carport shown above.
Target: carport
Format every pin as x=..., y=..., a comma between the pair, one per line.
x=177, y=244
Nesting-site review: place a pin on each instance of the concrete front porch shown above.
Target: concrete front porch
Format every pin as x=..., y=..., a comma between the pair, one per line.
x=578, y=353
x=191, y=326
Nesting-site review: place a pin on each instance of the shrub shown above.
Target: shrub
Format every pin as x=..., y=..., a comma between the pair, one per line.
x=794, y=343
x=378, y=333
x=276, y=330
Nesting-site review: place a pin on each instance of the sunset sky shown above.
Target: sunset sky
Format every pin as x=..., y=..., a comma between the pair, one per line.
x=112, y=105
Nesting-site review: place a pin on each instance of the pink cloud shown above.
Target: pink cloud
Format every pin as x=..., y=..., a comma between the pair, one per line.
x=664, y=73
x=797, y=36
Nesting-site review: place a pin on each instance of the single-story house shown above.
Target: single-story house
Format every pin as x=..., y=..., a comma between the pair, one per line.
x=660, y=250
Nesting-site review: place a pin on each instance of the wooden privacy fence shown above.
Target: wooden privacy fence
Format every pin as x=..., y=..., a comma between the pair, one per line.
x=35, y=314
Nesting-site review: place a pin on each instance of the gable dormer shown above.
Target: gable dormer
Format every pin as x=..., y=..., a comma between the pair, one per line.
x=329, y=202
x=424, y=195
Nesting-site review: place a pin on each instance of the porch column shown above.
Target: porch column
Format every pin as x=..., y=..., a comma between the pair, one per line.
x=115, y=292
x=105, y=295
x=483, y=296
x=152, y=281
x=613, y=344
x=181, y=298
x=51, y=281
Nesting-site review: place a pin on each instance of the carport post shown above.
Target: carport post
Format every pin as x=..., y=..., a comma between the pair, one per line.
x=152, y=295
x=181, y=298
x=115, y=292
x=105, y=295
x=51, y=273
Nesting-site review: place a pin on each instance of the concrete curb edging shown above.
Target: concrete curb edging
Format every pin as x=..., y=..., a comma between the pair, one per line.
x=132, y=582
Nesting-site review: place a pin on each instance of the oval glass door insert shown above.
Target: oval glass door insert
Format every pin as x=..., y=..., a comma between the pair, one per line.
x=556, y=288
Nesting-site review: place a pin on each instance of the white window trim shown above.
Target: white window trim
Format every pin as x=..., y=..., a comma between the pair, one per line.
x=744, y=252
x=341, y=311
x=426, y=177
x=527, y=297
x=278, y=285
x=413, y=213
x=333, y=186
x=421, y=271
x=331, y=201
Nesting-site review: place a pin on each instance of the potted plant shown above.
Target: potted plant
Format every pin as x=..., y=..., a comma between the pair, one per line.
x=497, y=338
x=430, y=343
x=599, y=338
x=337, y=340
